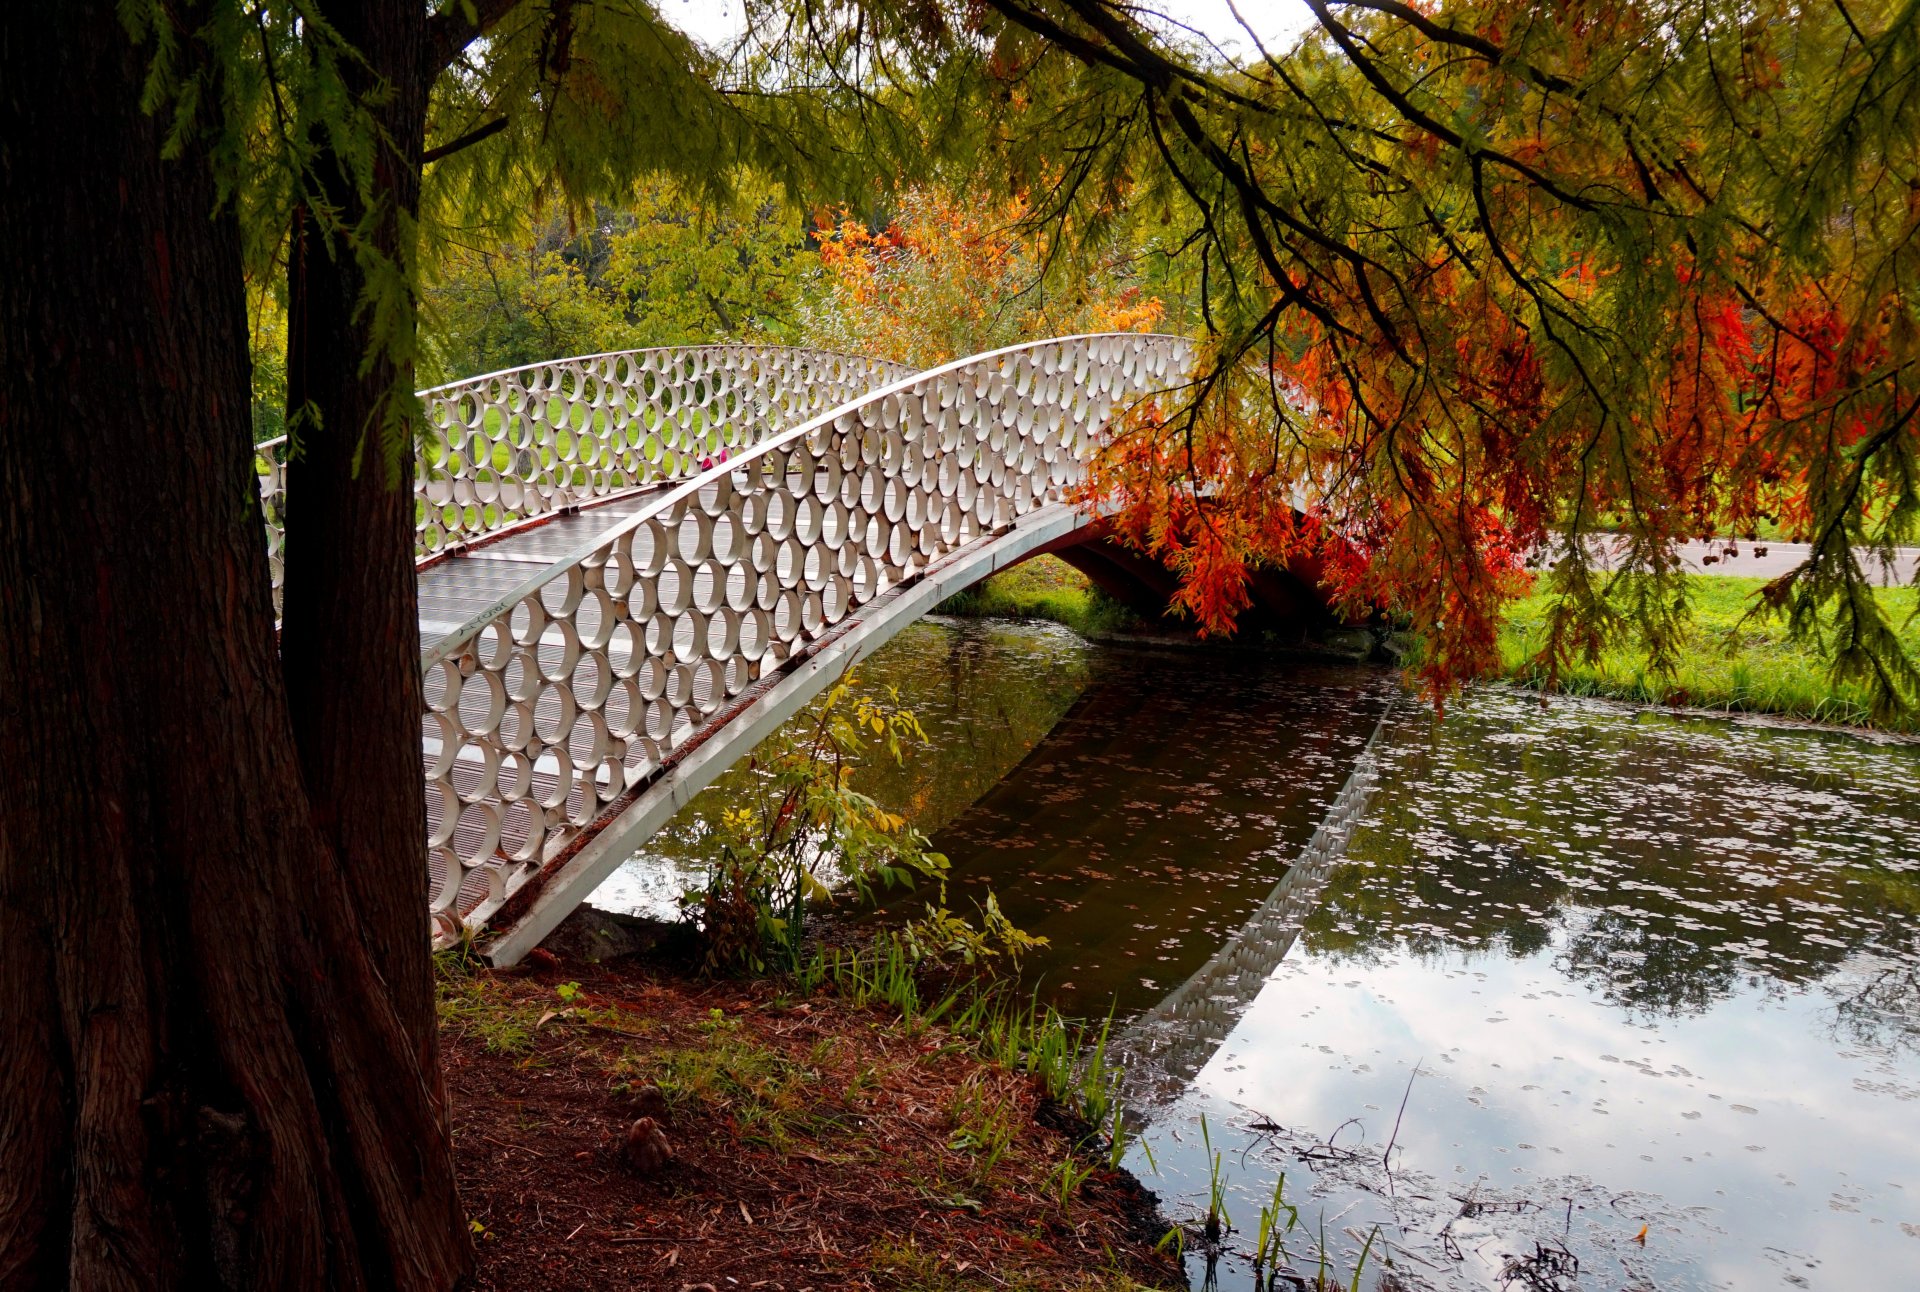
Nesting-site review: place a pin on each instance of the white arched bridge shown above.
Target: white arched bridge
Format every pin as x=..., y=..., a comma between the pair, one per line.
x=634, y=566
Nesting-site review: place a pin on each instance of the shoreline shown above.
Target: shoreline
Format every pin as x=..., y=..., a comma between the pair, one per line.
x=1728, y=669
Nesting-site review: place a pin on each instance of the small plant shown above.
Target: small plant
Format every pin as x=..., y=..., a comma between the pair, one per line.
x=1270, y=1247
x=1067, y=1179
x=567, y=992
x=982, y=1127
x=1116, y=1137
x=804, y=825
x=1218, y=1222
x=1366, y=1249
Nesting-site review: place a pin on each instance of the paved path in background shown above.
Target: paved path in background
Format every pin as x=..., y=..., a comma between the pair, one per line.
x=1772, y=559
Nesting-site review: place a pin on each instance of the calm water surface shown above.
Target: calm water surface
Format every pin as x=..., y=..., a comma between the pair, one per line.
x=1621, y=969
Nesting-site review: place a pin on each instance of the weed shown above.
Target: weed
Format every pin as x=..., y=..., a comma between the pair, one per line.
x=478, y=1007
x=1067, y=1179
x=765, y=1094
x=1218, y=1222
x=1270, y=1245
x=983, y=1126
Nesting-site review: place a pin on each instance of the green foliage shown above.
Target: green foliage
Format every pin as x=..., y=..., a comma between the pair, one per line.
x=658, y=269
x=802, y=828
x=267, y=351
x=1722, y=655
x=1043, y=588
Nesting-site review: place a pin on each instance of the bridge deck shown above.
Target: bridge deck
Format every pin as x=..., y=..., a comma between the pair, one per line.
x=457, y=587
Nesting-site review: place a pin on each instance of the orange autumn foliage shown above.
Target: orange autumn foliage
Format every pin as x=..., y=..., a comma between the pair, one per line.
x=949, y=277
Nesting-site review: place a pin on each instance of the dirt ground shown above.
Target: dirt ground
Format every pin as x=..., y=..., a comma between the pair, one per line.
x=793, y=1144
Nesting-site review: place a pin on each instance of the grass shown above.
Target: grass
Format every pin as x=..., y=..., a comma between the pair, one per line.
x=1043, y=588
x=1068, y=1060
x=920, y=1270
x=1724, y=664
x=881, y=1135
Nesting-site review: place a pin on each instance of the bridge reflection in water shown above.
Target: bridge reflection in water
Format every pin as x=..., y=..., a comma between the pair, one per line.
x=1164, y=835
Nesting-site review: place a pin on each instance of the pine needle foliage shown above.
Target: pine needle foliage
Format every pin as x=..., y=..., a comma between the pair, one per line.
x=1482, y=279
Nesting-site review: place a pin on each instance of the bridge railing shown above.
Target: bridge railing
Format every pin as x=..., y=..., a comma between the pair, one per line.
x=526, y=441
x=578, y=686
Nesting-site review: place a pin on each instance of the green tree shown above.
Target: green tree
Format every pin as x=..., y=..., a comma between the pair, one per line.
x=658, y=269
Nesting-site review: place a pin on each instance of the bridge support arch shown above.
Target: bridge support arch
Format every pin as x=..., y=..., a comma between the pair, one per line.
x=1288, y=600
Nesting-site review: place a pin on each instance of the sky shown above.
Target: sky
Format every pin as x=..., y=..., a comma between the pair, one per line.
x=1277, y=22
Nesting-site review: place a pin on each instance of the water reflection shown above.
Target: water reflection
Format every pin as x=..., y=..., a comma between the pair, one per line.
x=985, y=691
x=1653, y=971
x=1650, y=971
x=1158, y=815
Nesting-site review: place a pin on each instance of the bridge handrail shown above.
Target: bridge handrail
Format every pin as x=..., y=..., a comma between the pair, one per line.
x=519, y=442
x=619, y=652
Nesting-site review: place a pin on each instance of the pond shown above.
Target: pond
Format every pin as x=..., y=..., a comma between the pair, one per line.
x=1533, y=996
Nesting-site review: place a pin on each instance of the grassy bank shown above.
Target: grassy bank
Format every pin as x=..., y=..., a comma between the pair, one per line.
x=1724, y=664
x=834, y=1130
x=1042, y=588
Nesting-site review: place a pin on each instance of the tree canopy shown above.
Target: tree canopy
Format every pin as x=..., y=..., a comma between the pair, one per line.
x=1480, y=281
x=1486, y=280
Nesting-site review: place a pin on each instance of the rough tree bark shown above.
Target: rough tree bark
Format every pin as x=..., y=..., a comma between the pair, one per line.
x=204, y=1079
x=351, y=638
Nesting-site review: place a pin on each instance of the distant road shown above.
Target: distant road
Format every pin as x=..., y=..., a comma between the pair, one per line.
x=1769, y=560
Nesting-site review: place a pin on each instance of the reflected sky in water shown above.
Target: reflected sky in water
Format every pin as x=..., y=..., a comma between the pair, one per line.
x=1653, y=971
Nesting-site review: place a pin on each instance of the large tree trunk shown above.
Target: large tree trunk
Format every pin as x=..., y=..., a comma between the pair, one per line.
x=351, y=639
x=204, y=1079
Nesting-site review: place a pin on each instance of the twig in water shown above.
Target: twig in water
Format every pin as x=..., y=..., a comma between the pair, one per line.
x=1386, y=1157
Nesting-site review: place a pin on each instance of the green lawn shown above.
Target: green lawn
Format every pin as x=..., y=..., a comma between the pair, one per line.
x=1724, y=664
x=1042, y=588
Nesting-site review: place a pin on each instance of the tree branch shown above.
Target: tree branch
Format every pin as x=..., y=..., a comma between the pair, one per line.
x=472, y=137
x=458, y=25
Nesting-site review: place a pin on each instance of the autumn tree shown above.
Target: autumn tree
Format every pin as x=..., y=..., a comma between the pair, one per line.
x=952, y=275
x=1484, y=279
